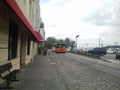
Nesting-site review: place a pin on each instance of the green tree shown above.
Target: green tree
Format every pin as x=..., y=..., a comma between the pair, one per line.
x=67, y=41
x=60, y=41
x=72, y=45
x=50, y=41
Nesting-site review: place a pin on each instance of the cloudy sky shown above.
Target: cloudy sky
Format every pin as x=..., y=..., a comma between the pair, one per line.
x=91, y=19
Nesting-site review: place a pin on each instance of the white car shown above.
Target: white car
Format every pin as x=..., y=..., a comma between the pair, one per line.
x=110, y=52
x=53, y=49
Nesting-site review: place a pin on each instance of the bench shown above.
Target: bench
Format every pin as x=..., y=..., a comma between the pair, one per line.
x=8, y=75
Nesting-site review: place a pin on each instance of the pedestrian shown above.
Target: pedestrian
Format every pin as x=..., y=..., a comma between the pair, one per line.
x=44, y=50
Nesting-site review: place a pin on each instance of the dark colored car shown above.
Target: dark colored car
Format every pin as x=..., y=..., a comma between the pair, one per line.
x=117, y=54
x=98, y=51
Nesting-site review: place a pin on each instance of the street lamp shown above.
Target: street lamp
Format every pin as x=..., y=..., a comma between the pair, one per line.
x=76, y=41
x=116, y=44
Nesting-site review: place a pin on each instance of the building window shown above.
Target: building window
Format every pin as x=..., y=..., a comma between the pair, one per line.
x=13, y=40
x=28, y=46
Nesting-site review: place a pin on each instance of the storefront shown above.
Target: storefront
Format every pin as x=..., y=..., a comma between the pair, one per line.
x=18, y=39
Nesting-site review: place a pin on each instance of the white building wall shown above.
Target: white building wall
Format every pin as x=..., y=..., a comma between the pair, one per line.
x=28, y=8
x=37, y=18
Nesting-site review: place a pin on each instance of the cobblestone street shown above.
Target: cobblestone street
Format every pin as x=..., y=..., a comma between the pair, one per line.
x=61, y=72
x=77, y=76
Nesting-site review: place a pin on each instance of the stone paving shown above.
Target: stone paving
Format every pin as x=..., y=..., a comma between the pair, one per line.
x=60, y=72
x=38, y=75
x=75, y=75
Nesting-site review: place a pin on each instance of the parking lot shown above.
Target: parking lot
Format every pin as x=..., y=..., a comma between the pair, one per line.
x=109, y=56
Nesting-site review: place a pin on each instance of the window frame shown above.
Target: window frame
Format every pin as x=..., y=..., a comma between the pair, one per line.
x=13, y=40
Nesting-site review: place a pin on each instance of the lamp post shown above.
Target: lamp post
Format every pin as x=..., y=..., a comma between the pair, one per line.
x=76, y=41
x=116, y=44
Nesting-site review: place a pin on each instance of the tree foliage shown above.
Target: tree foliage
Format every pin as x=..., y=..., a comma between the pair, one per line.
x=72, y=45
x=60, y=41
x=51, y=40
x=68, y=42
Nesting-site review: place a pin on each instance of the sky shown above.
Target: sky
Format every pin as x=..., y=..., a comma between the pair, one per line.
x=95, y=21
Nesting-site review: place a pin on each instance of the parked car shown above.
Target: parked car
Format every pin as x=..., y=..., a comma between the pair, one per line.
x=79, y=51
x=68, y=49
x=53, y=49
x=117, y=54
x=98, y=51
x=110, y=51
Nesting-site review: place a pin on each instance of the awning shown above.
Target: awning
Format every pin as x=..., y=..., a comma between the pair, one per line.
x=40, y=37
x=13, y=4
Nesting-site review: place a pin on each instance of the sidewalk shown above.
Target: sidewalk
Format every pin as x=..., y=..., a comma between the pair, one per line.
x=38, y=75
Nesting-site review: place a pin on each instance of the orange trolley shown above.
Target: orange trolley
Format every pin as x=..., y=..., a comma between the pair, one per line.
x=60, y=48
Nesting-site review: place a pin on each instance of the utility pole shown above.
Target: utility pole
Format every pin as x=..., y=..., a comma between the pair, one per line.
x=99, y=42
